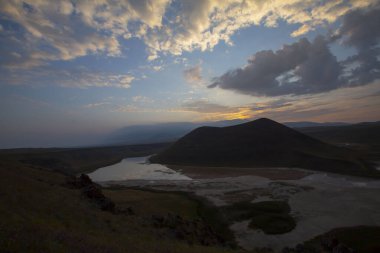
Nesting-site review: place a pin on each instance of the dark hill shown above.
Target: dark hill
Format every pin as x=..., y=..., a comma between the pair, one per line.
x=260, y=143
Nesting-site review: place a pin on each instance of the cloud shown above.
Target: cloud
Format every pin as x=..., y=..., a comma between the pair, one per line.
x=193, y=75
x=350, y=104
x=158, y=68
x=276, y=108
x=203, y=106
x=306, y=67
x=202, y=24
x=212, y=111
x=360, y=29
x=90, y=79
x=79, y=78
x=142, y=99
x=303, y=67
x=96, y=104
x=52, y=31
x=272, y=105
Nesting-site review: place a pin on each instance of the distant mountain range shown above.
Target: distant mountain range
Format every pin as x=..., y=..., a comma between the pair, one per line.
x=261, y=143
x=313, y=124
x=365, y=133
x=169, y=132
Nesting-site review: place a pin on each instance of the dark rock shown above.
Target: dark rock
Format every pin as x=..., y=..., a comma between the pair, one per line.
x=72, y=182
x=333, y=243
x=78, y=183
x=106, y=205
x=299, y=248
x=92, y=191
x=179, y=235
x=126, y=211
x=85, y=180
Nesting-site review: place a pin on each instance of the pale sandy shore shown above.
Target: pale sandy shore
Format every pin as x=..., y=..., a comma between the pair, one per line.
x=197, y=172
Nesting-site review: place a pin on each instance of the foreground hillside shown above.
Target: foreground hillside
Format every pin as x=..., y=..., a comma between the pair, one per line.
x=261, y=143
x=43, y=213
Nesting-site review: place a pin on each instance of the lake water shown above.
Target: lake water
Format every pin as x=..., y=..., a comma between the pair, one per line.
x=317, y=201
x=135, y=168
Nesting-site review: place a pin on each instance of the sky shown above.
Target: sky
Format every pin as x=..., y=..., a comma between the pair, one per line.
x=71, y=71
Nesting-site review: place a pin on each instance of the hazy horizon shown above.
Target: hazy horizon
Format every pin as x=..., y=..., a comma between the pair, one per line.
x=86, y=139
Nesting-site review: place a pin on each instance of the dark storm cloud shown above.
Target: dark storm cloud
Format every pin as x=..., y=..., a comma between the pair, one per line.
x=306, y=67
x=362, y=30
x=303, y=67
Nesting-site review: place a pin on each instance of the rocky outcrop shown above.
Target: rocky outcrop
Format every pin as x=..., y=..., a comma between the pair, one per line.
x=78, y=182
x=93, y=192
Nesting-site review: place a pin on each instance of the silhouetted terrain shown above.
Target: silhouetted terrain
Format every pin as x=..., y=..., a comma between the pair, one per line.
x=46, y=211
x=72, y=161
x=261, y=143
x=163, y=132
x=299, y=124
x=364, y=135
x=170, y=132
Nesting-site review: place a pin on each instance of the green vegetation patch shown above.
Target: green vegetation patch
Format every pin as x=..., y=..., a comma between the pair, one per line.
x=272, y=217
x=147, y=202
x=152, y=201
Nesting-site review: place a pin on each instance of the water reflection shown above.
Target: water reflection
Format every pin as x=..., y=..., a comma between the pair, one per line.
x=136, y=168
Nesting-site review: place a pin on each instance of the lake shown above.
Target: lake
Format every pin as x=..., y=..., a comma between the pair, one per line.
x=317, y=199
x=135, y=168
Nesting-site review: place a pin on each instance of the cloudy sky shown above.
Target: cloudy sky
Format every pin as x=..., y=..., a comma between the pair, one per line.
x=73, y=70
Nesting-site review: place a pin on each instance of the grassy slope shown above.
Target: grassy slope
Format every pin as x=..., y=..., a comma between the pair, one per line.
x=146, y=202
x=186, y=204
x=41, y=215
